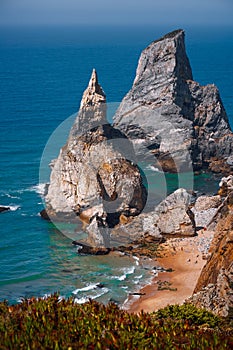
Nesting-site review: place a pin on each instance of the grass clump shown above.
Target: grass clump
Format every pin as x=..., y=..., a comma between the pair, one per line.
x=55, y=323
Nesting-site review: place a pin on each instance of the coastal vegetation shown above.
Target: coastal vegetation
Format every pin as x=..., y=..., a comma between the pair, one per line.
x=57, y=323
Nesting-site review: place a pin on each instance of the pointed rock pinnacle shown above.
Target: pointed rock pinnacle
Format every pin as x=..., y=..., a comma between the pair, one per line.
x=94, y=94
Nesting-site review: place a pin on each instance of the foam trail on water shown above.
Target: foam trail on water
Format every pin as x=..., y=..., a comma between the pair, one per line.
x=14, y=207
x=85, y=299
x=85, y=289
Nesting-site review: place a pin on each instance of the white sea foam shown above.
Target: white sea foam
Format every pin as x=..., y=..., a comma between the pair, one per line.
x=126, y=271
x=153, y=168
x=11, y=196
x=86, y=289
x=14, y=207
x=81, y=300
x=129, y=270
x=136, y=260
x=121, y=278
x=40, y=188
x=85, y=299
x=138, y=277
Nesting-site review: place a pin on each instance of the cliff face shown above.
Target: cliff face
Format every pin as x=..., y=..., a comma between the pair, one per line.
x=92, y=176
x=214, y=289
x=172, y=117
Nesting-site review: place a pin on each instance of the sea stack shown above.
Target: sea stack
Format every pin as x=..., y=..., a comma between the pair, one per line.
x=94, y=176
x=170, y=116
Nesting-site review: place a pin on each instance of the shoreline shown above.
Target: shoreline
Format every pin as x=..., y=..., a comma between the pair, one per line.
x=185, y=257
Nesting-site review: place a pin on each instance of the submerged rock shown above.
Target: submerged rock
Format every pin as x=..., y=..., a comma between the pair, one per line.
x=3, y=209
x=168, y=115
x=94, y=175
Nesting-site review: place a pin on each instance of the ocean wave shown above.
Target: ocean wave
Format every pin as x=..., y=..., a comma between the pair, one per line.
x=81, y=300
x=85, y=299
x=126, y=271
x=39, y=188
x=122, y=278
x=129, y=270
x=138, y=277
x=87, y=288
x=136, y=260
x=14, y=207
x=11, y=196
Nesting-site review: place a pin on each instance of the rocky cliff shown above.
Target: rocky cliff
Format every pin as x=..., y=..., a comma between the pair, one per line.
x=214, y=289
x=167, y=114
x=94, y=176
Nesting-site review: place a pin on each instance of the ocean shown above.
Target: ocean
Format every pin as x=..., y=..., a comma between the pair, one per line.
x=43, y=73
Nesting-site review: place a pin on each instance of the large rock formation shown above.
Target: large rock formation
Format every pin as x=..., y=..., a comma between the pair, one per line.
x=205, y=209
x=214, y=289
x=172, y=216
x=166, y=113
x=94, y=175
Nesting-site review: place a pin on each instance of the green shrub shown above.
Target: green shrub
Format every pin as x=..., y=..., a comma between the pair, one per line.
x=55, y=323
x=188, y=312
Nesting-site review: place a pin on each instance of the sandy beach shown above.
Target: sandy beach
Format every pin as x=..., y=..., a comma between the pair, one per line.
x=185, y=257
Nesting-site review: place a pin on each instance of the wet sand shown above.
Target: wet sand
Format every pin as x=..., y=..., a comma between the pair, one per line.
x=185, y=257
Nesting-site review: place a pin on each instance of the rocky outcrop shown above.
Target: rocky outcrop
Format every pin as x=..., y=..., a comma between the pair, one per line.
x=226, y=186
x=172, y=216
x=205, y=209
x=168, y=115
x=214, y=289
x=94, y=175
x=3, y=209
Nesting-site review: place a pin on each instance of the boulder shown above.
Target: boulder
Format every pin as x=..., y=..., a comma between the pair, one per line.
x=172, y=216
x=205, y=209
x=226, y=185
x=98, y=232
x=90, y=250
x=168, y=115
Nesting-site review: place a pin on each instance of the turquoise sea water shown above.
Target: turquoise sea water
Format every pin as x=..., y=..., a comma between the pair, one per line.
x=43, y=73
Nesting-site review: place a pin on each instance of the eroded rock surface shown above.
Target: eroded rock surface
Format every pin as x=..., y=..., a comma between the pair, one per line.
x=94, y=175
x=205, y=209
x=171, y=217
x=167, y=114
x=214, y=289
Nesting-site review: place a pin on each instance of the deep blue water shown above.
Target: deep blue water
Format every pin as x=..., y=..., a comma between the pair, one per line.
x=43, y=73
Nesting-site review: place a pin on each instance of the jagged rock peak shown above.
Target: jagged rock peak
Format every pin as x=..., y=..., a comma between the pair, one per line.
x=165, y=57
x=172, y=118
x=92, y=112
x=94, y=94
x=93, y=175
